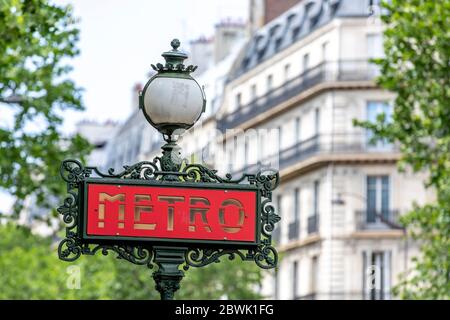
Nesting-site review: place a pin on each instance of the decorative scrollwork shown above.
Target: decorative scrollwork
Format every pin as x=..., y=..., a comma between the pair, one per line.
x=69, y=249
x=202, y=257
x=69, y=210
x=73, y=246
x=135, y=254
x=170, y=67
x=266, y=257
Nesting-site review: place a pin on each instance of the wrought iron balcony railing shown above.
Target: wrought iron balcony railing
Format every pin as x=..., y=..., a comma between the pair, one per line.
x=294, y=230
x=328, y=71
x=313, y=223
x=373, y=220
x=315, y=145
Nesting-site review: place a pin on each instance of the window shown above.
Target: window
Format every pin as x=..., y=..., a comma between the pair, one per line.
x=374, y=45
x=294, y=216
x=376, y=275
x=378, y=190
x=287, y=71
x=280, y=138
x=314, y=277
x=269, y=82
x=374, y=109
x=238, y=101
x=326, y=51
x=253, y=92
x=316, y=121
x=305, y=63
x=297, y=129
x=316, y=198
x=296, y=204
x=294, y=279
x=279, y=203
x=313, y=219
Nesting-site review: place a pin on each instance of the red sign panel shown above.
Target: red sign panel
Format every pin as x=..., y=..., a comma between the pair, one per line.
x=143, y=211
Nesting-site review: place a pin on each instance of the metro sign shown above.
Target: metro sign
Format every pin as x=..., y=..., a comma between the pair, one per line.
x=154, y=214
x=117, y=209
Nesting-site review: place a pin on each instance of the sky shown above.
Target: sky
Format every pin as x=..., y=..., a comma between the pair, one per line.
x=120, y=39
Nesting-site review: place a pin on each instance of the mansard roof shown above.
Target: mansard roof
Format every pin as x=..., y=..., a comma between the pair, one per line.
x=293, y=25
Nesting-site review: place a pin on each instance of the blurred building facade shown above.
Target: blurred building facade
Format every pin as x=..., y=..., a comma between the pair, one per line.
x=98, y=134
x=286, y=97
x=306, y=74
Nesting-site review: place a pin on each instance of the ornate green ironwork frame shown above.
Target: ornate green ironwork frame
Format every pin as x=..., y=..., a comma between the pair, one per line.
x=169, y=171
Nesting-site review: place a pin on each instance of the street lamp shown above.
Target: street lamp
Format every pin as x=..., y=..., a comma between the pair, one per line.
x=172, y=101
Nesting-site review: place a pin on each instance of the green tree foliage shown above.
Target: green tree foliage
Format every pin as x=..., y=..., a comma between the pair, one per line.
x=416, y=67
x=35, y=40
x=30, y=269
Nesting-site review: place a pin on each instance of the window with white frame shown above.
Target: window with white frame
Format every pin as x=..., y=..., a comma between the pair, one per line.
x=279, y=206
x=376, y=275
x=294, y=280
x=377, y=199
x=316, y=121
x=374, y=45
x=326, y=56
x=305, y=62
x=316, y=196
x=253, y=92
x=297, y=129
x=296, y=216
x=314, y=277
x=287, y=72
x=269, y=83
x=238, y=101
x=280, y=138
x=374, y=109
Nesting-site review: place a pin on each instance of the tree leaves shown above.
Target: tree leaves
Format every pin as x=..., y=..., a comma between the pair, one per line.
x=106, y=277
x=416, y=68
x=35, y=38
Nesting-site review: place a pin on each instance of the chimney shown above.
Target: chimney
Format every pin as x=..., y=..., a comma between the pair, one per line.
x=201, y=54
x=227, y=33
x=262, y=12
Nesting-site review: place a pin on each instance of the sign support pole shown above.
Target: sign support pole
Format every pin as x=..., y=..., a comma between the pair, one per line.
x=168, y=277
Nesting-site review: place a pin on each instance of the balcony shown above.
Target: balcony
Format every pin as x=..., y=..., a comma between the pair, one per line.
x=372, y=220
x=326, y=72
x=318, y=144
x=313, y=224
x=294, y=230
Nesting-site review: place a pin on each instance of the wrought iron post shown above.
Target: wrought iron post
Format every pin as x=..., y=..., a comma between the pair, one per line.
x=168, y=259
x=168, y=277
